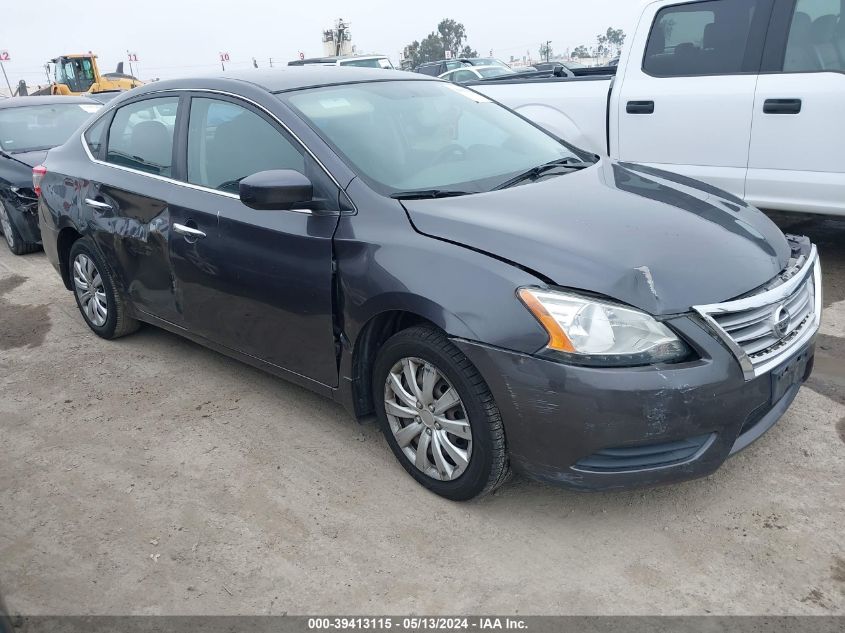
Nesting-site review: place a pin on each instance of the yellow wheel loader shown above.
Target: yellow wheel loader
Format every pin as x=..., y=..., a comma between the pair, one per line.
x=78, y=74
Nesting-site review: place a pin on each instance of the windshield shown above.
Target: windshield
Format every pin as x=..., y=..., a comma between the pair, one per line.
x=29, y=128
x=374, y=62
x=411, y=135
x=495, y=71
x=488, y=61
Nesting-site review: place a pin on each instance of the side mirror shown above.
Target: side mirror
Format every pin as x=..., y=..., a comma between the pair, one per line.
x=278, y=189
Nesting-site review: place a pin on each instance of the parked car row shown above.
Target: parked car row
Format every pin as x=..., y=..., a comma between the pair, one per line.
x=498, y=297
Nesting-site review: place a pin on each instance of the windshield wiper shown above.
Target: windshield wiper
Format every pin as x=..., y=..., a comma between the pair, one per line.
x=423, y=194
x=570, y=162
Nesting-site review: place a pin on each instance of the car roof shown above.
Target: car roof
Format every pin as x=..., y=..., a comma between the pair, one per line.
x=18, y=102
x=333, y=59
x=285, y=78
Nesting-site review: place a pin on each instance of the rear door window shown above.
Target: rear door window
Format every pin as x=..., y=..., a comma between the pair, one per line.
x=702, y=38
x=816, y=37
x=228, y=142
x=141, y=136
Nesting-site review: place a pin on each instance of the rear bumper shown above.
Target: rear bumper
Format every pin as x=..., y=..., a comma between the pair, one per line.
x=604, y=429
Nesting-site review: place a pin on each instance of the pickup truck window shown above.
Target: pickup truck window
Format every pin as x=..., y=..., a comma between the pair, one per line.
x=816, y=37
x=702, y=38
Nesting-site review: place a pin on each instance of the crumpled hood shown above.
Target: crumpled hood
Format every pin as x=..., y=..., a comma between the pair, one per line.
x=654, y=240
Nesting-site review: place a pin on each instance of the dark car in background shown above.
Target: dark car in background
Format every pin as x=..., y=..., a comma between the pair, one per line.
x=29, y=126
x=498, y=298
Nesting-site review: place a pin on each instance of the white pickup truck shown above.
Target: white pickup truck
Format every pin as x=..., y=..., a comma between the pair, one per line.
x=747, y=95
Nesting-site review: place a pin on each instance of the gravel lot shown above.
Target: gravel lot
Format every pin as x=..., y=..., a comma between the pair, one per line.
x=152, y=476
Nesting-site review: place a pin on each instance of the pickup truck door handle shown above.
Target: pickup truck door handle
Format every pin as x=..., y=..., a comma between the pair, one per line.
x=782, y=106
x=190, y=233
x=96, y=204
x=640, y=107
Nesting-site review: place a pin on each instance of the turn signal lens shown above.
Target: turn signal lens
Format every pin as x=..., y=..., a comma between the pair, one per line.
x=558, y=340
x=38, y=173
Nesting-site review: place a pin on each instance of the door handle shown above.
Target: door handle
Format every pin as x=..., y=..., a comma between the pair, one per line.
x=782, y=106
x=190, y=233
x=640, y=107
x=96, y=204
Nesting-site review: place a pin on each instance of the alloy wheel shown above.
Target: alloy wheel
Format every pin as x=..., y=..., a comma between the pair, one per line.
x=428, y=419
x=90, y=290
x=6, y=225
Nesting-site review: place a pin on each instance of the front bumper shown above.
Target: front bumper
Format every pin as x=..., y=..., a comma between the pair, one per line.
x=602, y=429
x=24, y=216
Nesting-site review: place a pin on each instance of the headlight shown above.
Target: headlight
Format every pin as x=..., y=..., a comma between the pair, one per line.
x=593, y=332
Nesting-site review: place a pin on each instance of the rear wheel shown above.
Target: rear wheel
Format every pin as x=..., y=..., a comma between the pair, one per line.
x=13, y=239
x=102, y=307
x=439, y=416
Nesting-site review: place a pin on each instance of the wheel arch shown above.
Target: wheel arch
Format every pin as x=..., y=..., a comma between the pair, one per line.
x=67, y=237
x=377, y=329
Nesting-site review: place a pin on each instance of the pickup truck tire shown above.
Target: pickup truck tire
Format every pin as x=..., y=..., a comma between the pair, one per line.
x=99, y=302
x=444, y=428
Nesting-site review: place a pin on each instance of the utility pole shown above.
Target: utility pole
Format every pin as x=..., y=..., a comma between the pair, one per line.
x=4, y=57
x=7, y=78
x=548, y=49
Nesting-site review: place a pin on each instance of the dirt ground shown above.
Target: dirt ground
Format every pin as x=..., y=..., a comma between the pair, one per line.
x=152, y=476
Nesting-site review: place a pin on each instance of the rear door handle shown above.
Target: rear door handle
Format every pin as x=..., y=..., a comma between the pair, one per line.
x=96, y=204
x=190, y=233
x=640, y=107
x=782, y=106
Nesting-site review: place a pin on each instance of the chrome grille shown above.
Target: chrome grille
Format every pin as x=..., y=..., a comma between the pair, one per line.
x=763, y=329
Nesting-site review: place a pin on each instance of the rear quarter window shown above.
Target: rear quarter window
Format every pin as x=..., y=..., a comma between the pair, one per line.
x=94, y=137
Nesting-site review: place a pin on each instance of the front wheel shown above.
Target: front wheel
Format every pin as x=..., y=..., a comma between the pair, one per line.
x=439, y=416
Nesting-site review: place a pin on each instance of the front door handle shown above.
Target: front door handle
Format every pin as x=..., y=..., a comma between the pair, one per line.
x=782, y=106
x=96, y=204
x=190, y=233
x=640, y=107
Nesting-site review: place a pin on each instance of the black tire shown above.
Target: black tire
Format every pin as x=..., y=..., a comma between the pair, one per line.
x=488, y=466
x=117, y=322
x=14, y=240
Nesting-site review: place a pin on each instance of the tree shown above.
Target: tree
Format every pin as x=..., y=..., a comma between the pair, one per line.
x=450, y=36
x=615, y=39
x=610, y=42
x=546, y=50
x=453, y=35
x=580, y=52
x=601, y=46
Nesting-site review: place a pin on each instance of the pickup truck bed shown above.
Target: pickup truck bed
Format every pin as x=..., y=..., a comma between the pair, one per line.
x=747, y=97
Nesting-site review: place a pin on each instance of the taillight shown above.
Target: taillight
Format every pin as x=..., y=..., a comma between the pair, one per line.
x=38, y=173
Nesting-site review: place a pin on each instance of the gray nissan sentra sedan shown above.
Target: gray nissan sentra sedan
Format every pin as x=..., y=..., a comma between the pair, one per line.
x=499, y=299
